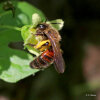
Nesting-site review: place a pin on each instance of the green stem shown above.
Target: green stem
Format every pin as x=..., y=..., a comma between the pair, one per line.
x=10, y=27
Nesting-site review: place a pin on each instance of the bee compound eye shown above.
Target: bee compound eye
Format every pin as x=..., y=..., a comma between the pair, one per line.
x=42, y=26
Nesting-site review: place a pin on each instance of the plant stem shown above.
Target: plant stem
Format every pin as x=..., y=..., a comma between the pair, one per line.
x=10, y=27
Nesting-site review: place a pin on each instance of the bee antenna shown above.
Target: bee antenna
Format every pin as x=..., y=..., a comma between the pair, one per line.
x=55, y=23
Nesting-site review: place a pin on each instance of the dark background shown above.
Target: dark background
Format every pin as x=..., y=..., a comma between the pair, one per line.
x=81, y=47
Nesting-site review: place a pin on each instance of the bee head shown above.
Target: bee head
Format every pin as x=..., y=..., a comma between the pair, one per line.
x=42, y=26
x=41, y=29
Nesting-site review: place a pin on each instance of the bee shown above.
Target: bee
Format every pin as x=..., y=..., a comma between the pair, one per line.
x=50, y=47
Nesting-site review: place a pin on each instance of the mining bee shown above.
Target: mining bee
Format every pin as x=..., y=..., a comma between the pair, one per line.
x=50, y=48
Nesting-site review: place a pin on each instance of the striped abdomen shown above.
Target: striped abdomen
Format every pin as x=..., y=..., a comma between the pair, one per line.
x=43, y=61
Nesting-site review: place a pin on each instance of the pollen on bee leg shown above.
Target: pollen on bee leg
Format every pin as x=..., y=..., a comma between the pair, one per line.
x=43, y=45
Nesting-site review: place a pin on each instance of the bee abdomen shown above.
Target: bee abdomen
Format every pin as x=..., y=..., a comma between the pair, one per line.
x=34, y=64
x=37, y=63
x=43, y=60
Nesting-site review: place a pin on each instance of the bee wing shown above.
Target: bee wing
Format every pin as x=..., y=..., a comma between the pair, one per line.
x=58, y=59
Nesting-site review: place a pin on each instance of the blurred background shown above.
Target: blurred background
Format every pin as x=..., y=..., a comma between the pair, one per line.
x=81, y=51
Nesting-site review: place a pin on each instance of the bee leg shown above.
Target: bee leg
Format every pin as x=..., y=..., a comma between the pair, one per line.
x=42, y=43
x=45, y=44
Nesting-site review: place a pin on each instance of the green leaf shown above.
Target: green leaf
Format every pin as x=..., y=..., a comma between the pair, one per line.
x=25, y=32
x=23, y=14
x=14, y=63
